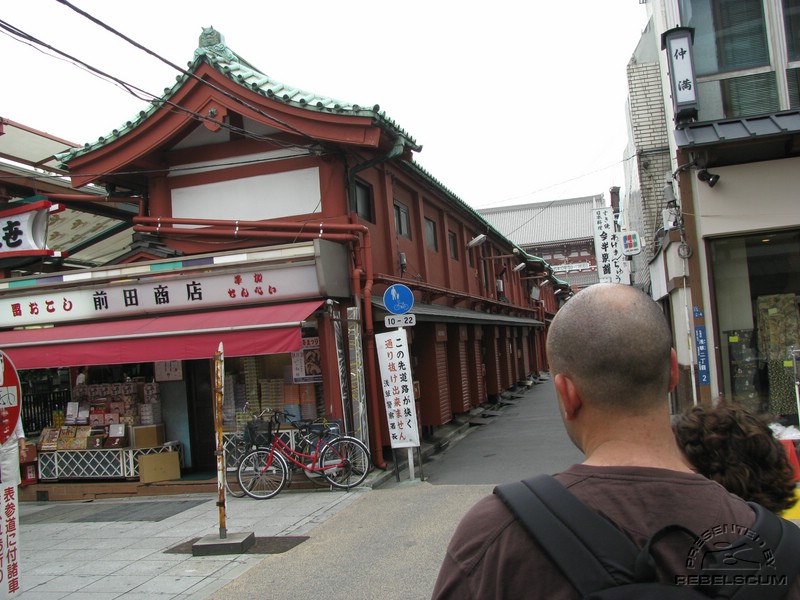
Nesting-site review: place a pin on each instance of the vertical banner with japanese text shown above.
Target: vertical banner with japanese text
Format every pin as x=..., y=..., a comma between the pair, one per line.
x=10, y=571
x=10, y=557
x=612, y=267
x=397, y=387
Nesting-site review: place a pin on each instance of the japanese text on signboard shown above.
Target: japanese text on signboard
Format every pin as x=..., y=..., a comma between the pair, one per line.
x=9, y=546
x=398, y=389
x=150, y=297
x=701, y=345
x=611, y=264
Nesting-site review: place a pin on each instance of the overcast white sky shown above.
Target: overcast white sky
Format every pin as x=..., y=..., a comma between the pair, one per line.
x=512, y=101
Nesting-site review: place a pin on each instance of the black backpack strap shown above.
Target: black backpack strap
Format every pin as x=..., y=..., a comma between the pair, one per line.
x=782, y=537
x=588, y=549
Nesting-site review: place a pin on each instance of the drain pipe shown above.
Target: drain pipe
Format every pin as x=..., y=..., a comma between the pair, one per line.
x=375, y=408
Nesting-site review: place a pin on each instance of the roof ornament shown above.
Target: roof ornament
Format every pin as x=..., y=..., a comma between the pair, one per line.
x=212, y=43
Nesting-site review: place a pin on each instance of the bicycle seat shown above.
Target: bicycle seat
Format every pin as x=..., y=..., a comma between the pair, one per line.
x=303, y=424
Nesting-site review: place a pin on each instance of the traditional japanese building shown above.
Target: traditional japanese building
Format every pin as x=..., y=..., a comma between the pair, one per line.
x=272, y=220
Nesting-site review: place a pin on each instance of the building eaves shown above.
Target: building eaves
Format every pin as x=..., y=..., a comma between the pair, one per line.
x=695, y=135
x=240, y=71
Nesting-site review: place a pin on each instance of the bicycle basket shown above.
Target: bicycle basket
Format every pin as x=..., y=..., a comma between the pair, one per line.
x=258, y=433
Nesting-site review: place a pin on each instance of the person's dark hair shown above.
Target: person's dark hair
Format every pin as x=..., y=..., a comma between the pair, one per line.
x=614, y=342
x=736, y=448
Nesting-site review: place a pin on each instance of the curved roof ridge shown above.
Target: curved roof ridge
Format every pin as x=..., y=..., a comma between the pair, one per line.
x=218, y=55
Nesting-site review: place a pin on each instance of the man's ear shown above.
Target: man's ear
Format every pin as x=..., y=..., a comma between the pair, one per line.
x=674, y=370
x=569, y=395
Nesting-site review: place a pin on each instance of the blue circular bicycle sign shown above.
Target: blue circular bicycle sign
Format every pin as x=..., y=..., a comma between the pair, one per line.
x=398, y=299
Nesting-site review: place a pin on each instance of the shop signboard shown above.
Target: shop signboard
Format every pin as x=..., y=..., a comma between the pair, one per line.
x=307, y=362
x=23, y=229
x=155, y=295
x=10, y=397
x=612, y=266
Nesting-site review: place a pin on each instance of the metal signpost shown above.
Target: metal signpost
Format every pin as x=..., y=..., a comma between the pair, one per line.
x=397, y=381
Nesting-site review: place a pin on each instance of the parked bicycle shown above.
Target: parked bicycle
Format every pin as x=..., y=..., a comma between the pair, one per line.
x=343, y=461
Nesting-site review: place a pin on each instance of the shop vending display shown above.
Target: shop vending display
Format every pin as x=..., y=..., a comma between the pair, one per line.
x=101, y=415
x=778, y=333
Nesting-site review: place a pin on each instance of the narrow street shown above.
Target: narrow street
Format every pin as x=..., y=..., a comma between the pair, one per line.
x=390, y=542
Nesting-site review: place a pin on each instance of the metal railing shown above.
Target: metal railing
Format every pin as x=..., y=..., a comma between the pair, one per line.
x=37, y=409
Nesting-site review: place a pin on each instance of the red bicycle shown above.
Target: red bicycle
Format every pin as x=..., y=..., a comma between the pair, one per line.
x=343, y=461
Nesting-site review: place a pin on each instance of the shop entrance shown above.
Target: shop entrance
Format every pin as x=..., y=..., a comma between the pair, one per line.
x=200, y=391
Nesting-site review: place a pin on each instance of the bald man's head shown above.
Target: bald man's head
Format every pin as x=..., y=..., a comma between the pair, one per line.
x=614, y=342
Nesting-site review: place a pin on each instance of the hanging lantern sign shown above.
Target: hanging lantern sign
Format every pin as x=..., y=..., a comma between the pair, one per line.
x=678, y=43
x=23, y=229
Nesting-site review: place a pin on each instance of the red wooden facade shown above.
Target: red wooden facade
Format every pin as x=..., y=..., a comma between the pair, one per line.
x=202, y=174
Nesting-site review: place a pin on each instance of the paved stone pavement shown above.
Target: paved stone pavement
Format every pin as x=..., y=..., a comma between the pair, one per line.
x=125, y=548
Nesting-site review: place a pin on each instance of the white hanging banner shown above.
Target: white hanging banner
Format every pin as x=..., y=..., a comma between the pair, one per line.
x=611, y=264
x=398, y=389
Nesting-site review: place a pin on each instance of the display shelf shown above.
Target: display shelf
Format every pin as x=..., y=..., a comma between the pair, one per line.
x=102, y=463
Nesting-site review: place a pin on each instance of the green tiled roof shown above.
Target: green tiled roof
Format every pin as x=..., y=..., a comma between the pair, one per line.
x=214, y=52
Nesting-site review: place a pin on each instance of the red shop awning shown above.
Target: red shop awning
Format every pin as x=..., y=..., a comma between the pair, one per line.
x=244, y=332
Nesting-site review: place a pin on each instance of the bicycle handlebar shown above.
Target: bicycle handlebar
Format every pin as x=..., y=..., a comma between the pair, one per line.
x=302, y=425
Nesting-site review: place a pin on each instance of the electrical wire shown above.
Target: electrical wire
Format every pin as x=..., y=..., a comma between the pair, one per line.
x=23, y=37
x=136, y=44
x=547, y=187
x=184, y=169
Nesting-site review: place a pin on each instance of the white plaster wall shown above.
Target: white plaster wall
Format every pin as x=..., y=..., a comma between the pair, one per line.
x=751, y=197
x=251, y=198
x=748, y=198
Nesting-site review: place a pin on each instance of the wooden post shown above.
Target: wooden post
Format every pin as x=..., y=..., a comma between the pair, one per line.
x=219, y=395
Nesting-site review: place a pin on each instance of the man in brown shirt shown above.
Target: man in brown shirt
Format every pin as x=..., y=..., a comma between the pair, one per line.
x=612, y=366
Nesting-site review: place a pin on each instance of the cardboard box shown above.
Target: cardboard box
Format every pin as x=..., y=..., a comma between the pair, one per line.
x=159, y=467
x=147, y=436
x=31, y=455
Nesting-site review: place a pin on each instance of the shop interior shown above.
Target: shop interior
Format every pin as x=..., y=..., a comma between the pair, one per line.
x=756, y=288
x=159, y=406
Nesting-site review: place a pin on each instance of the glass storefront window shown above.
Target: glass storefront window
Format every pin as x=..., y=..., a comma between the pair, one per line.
x=756, y=286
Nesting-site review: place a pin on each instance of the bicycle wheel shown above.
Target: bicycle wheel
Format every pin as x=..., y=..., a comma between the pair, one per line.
x=232, y=483
x=232, y=478
x=258, y=480
x=346, y=461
